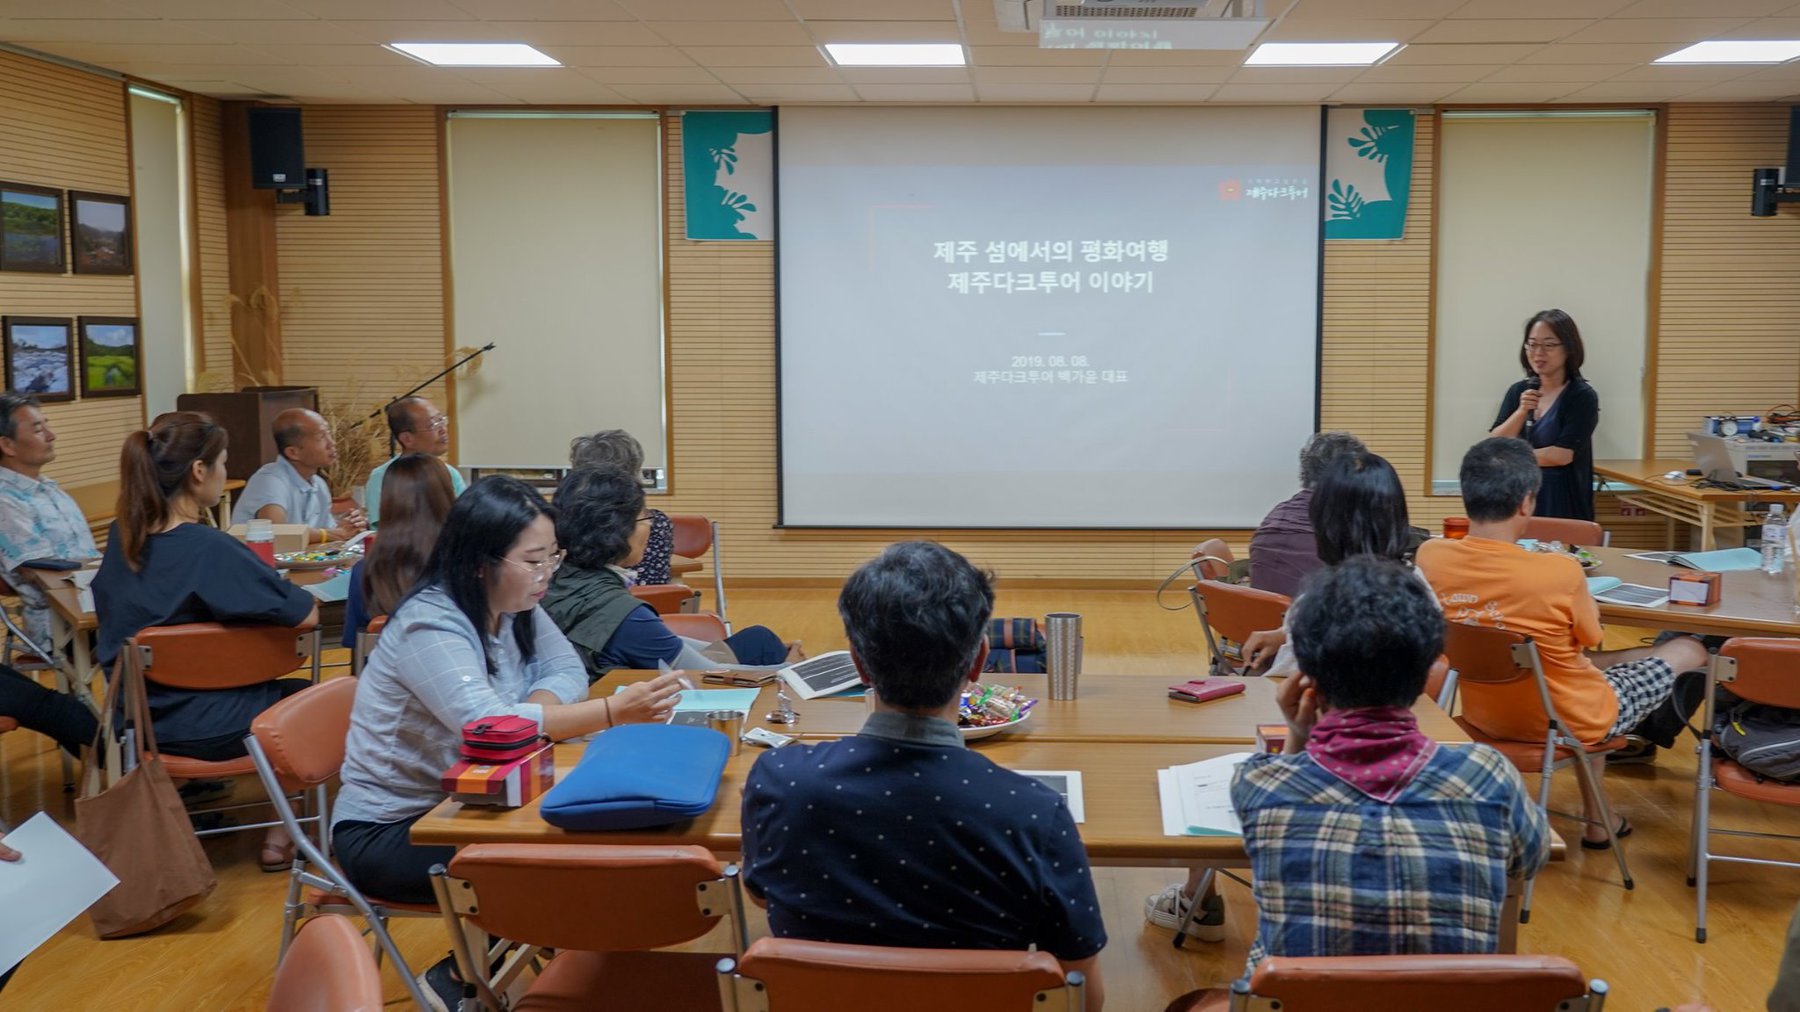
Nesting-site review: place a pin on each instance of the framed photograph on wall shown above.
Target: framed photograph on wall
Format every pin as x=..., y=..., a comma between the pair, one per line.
x=110, y=354
x=31, y=228
x=40, y=356
x=99, y=233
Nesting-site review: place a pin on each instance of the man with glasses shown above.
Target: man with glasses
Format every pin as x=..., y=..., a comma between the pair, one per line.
x=415, y=425
x=291, y=488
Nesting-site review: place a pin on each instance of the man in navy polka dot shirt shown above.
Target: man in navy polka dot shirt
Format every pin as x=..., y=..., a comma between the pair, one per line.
x=900, y=835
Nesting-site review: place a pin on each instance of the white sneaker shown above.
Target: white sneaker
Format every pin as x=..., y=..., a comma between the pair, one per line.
x=1166, y=909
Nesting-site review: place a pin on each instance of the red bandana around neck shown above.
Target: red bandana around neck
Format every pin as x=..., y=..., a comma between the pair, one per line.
x=1377, y=750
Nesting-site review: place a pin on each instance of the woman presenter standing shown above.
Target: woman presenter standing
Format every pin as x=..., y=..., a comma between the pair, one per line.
x=1556, y=411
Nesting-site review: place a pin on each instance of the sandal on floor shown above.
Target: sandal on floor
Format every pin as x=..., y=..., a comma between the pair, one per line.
x=284, y=857
x=1620, y=833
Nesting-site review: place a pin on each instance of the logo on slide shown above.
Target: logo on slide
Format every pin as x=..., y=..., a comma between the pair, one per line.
x=1231, y=189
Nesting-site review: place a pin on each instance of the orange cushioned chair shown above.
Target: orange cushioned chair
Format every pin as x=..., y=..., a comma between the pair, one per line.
x=1466, y=983
x=298, y=744
x=602, y=908
x=796, y=975
x=1228, y=615
x=695, y=535
x=328, y=969
x=1484, y=656
x=1567, y=531
x=1757, y=671
x=210, y=655
x=702, y=626
x=365, y=643
x=668, y=598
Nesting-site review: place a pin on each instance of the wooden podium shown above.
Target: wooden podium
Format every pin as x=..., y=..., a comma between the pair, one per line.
x=248, y=415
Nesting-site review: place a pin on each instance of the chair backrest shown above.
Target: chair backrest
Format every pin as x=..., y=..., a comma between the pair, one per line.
x=1213, y=559
x=600, y=898
x=1760, y=670
x=376, y=624
x=303, y=735
x=365, y=643
x=1435, y=681
x=697, y=626
x=329, y=968
x=211, y=655
x=1486, y=656
x=665, y=598
x=1467, y=983
x=693, y=534
x=796, y=975
x=1236, y=611
x=1565, y=530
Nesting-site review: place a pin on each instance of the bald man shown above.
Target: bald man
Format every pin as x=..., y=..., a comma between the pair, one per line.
x=290, y=489
x=416, y=426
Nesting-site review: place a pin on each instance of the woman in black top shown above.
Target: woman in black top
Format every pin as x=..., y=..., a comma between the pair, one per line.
x=165, y=566
x=1564, y=412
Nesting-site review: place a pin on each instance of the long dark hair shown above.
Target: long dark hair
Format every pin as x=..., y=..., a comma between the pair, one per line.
x=481, y=529
x=153, y=467
x=1563, y=326
x=1358, y=507
x=416, y=496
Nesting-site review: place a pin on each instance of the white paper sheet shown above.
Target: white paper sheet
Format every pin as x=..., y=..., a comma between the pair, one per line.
x=1196, y=798
x=54, y=881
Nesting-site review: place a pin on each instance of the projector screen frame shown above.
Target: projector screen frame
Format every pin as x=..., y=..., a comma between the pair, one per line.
x=781, y=523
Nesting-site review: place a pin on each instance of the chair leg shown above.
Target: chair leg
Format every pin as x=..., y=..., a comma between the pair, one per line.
x=290, y=912
x=1193, y=911
x=1592, y=782
x=1702, y=819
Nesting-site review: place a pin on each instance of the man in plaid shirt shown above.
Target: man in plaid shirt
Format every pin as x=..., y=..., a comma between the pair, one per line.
x=1366, y=837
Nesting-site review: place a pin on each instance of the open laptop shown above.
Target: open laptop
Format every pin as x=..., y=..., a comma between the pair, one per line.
x=1713, y=458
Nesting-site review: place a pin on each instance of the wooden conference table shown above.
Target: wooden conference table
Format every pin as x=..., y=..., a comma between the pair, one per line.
x=1751, y=603
x=1706, y=508
x=1121, y=730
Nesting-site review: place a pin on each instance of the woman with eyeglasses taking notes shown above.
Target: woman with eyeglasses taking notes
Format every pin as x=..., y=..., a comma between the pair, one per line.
x=468, y=642
x=1556, y=411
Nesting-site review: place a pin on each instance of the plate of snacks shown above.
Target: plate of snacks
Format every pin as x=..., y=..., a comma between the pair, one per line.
x=987, y=710
x=323, y=557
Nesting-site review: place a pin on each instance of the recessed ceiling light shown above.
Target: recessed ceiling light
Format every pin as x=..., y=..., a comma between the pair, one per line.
x=896, y=54
x=1736, y=51
x=474, y=54
x=1320, y=54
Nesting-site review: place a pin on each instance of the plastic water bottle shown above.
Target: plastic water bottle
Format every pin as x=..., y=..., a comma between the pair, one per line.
x=1774, y=540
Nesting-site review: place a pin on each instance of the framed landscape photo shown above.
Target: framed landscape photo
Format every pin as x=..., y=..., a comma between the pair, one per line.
x=110, y=353
x=31, y=228
x=40, y=356
x=100, y=233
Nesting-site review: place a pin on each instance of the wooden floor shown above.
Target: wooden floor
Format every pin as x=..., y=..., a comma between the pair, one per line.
x=221, y=955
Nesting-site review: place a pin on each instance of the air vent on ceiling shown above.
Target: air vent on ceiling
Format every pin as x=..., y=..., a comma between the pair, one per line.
x=1137, y=10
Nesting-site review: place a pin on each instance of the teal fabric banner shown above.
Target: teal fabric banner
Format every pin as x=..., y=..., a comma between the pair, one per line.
x=1368, y=171
x=728, y=170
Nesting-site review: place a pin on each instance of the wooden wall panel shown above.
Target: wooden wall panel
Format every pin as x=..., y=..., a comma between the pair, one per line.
x=66, y=129
x=1730, y=305
x=362, y=290
x=213, y=314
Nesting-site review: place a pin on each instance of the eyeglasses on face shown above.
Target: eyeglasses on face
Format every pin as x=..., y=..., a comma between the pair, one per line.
x=436, y=423
x=542, y=569
x=1543, y=345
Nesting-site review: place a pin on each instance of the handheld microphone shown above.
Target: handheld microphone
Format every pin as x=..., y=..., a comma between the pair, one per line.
x=1530, y=416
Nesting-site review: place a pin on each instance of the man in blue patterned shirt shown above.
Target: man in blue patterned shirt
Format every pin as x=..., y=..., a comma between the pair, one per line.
x=900, y=835
x=38, y=520
x=1365, y=836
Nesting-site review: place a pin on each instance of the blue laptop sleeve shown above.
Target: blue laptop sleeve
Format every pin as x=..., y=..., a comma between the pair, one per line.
x=639, y=775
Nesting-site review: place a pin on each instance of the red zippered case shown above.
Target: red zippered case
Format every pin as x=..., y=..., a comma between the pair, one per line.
x=499, y=739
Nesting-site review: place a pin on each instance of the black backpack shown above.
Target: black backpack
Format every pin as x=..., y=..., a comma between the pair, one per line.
x=1762, y=739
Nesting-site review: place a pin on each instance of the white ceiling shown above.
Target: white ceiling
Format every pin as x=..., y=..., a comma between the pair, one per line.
x=688, y=52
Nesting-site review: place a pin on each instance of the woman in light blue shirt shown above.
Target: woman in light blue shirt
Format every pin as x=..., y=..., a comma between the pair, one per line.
x=468, y=642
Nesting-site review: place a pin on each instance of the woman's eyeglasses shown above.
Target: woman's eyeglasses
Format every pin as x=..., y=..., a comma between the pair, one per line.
x=1543, y=345
x=542, y=569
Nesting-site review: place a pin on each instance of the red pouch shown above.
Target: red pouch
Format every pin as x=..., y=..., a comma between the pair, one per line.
x=499, y=739
x=1202, y=689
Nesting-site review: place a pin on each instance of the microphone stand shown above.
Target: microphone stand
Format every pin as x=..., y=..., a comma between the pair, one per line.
x=440, y=375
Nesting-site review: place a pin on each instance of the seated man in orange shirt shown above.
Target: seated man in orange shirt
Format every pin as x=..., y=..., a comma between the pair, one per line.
x=1487, y=579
